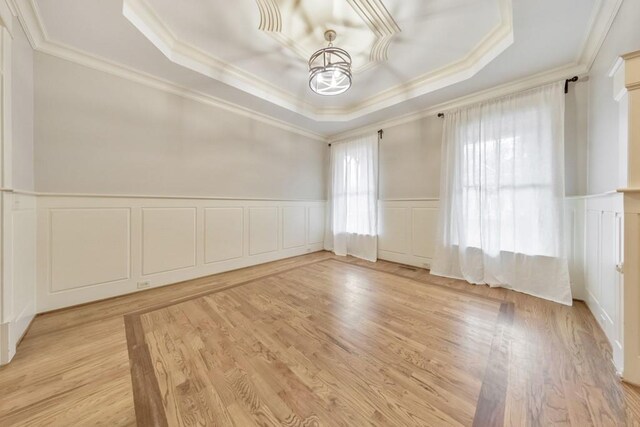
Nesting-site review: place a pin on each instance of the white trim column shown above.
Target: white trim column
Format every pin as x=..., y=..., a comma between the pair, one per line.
x=626, y=88
x=7, y=346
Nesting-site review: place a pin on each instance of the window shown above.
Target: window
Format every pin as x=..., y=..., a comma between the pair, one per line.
x=502, y=190
x=354, y=193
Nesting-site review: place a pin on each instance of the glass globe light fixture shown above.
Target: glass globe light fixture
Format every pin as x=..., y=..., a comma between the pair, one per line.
x=330, y=69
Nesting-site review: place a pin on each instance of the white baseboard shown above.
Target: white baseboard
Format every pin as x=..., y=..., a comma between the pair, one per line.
x=7, y=351
x=407, y=259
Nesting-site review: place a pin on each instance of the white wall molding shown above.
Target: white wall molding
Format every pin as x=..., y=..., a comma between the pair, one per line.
x=18, y=272
x=151, y=196
x=407, y=231
x=546, y=77
x=603, y=253
x=602, y=18
x=36, y=33
x=603, y=14
x=594, y=233
x=143, y=17
x=121, y=242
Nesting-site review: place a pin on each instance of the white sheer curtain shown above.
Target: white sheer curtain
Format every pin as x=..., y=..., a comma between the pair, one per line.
x=501, y=195
x=352, y=222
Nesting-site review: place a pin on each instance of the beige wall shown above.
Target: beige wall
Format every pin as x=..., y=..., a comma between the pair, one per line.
x=22, y=109
x=410, y=162
x=605, y=156
x=97, y=133
x=575, y=139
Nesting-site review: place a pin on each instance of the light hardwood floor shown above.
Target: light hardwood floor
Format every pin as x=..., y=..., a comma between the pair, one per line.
x=317, y=339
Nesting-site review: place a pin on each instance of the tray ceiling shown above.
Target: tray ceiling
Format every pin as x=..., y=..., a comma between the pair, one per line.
x=262, y=46
x=252, y=54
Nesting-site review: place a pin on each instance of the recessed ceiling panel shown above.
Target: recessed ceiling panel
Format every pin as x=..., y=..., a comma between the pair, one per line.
x=400, y=48
x=228, y=53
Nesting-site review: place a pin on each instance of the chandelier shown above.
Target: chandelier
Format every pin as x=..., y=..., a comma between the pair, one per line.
x=330, y=69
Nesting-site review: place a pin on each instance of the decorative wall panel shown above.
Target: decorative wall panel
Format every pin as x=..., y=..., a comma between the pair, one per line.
x=293, y=227
x=168, y=239
x=88, y=247
x=224, y=237
x=263, y=230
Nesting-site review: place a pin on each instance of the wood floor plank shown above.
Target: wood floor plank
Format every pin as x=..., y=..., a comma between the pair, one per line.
x=298, y=309
x=72, y=367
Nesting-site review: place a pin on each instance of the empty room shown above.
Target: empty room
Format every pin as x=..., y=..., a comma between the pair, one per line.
x=319, y=213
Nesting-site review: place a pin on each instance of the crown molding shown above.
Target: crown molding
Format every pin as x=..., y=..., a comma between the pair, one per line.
x=30, y=17
x=602, y=16
x=493, y=44
x=530, y=82
x=142, y=16
x=602, y=19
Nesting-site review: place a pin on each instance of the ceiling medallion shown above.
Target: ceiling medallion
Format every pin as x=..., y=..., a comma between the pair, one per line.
x=330, y=69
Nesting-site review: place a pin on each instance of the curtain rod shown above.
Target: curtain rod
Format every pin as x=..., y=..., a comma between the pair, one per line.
x=380, y=133
x=566, y=89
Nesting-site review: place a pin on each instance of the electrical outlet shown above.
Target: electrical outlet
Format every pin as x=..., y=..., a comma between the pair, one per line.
x=142, y=285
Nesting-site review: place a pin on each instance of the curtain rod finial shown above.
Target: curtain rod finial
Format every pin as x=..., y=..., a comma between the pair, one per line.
x=566, y=83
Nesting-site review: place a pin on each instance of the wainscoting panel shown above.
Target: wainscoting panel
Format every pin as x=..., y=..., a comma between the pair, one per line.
x=424, y=223
x=408, y=234
x=407, y=231
x=603, y=238
x=293, y=227
x=315, y=224
x=263, y=230
x=94, y=247
x=88, y=247
x=393, y=230
x=574, y=218
x=168, y=239
x=18, y=241
x=224, y=235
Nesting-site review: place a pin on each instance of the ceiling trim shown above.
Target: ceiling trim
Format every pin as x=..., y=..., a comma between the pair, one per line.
x=493, y=44
x=602, y=18
x=603, y=15
x=372, y=12
x=380, y=21
x=29, y=16
x=7, y=12
x=142, y=16
x=558, y=74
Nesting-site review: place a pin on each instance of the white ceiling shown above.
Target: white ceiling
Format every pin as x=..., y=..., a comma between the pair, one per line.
x=409, y=55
